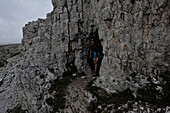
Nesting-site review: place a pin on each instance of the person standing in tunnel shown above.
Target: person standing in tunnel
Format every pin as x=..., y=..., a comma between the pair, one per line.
x=91, y=48
x=95, y=55
x=96, y=59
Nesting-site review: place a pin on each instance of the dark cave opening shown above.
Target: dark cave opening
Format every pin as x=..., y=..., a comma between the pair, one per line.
x=132, y=1
x=96, y=54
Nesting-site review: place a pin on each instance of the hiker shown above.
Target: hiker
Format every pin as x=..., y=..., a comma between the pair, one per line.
x=91, y=55
x=95, y=55
x=91, y=48
x=95, y=58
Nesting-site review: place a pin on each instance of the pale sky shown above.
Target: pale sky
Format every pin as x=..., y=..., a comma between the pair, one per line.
x=14, y=14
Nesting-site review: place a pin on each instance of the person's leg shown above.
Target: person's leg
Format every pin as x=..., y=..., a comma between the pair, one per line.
x=94, y=59
x=95, y=62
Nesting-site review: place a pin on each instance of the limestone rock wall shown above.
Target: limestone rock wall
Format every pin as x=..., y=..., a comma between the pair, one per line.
x=136, y=39
x=8, y=51
x=134, y=35
x=64, y=35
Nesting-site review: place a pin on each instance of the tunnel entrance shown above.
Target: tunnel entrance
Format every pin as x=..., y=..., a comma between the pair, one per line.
x=95, y=53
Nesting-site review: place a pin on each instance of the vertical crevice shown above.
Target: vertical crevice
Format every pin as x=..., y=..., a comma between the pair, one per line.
x=50, y=37
x=132, y=1
x=122, y=15
x=68, y=29
x=68, y=25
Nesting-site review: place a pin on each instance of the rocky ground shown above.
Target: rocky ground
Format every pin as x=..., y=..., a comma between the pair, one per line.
x=8, y=51
x=78, y=93
x=48, y=74
x=153, y=97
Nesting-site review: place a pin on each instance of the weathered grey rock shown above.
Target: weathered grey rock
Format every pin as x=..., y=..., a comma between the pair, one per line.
x=135, y=40
x=8, y=51
x=132, y=40
x=78, y=98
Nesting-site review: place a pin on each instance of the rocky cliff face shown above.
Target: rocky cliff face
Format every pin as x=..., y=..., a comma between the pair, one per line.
x=135, y=39
x=8, y=51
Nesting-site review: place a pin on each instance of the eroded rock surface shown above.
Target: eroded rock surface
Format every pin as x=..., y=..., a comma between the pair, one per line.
x=8, y=51
x=135, y=39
